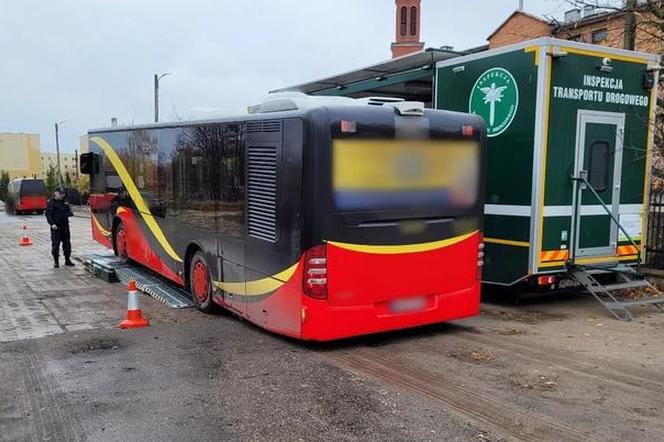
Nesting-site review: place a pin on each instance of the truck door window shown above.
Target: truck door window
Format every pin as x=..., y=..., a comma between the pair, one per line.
x=599, y=165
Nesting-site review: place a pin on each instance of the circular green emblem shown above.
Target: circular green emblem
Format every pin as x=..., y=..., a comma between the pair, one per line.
x=495, y=97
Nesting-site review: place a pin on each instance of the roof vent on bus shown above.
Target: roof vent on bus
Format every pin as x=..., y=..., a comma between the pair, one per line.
x=379, y=101
x=401, y=106
x=408, y=108
x=287, y=101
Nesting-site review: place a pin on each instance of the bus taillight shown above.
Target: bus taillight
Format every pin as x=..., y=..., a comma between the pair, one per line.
x=315, y=272
x=480, y=260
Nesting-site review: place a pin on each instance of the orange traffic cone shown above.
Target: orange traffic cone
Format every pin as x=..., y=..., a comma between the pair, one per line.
x=135, y=318
x=25, y=240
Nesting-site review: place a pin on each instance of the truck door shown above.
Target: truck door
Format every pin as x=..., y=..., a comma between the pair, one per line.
x=599, y=148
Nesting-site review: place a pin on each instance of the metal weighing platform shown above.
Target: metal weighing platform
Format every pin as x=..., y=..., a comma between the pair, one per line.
x=111, y=269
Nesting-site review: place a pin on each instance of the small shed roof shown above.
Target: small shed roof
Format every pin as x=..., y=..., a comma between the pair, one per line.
x=420, y=60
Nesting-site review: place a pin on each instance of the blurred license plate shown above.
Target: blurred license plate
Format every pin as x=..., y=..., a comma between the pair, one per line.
x=408, y=304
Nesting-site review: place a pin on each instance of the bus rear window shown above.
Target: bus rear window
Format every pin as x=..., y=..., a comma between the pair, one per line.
x=33, y=188
x=402, y=174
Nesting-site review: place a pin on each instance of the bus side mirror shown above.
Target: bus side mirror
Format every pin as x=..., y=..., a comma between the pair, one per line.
x=89, y=164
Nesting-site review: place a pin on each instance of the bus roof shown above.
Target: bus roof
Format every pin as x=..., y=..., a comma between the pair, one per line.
x=277, y=105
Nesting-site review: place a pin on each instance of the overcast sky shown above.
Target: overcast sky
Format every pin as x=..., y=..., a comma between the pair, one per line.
x=89, y=60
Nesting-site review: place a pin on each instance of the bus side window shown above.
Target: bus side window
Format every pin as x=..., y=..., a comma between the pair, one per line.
x=598, y=174
x=231, y=181
x=112, y=182
x=195, y=175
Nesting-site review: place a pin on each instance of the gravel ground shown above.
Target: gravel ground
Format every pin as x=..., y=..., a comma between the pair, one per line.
x=553, y=369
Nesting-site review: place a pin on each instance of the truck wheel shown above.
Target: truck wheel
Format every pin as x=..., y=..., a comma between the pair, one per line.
x=200, y=283
x=120, y=243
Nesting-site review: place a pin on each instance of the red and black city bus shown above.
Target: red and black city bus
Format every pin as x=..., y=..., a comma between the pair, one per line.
x=26, y=195
x=314, y=221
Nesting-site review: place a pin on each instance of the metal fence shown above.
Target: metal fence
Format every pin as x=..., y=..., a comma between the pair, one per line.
x=655, y=239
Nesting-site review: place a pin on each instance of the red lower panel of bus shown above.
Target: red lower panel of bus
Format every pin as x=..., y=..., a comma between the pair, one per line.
x=100, y=204
x=140, y=250
x=31, y=203
x=102, y=237
x=373, y=292
x=370, y=293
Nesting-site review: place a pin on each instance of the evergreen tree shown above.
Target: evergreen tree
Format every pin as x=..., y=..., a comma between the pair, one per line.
x=51, y=179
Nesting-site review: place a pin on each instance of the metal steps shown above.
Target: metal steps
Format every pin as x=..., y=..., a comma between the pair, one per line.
x=628, y=285
x=609, y=296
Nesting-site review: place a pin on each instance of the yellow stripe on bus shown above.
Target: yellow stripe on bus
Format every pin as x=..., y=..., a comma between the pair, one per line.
x=260, y=286
x=99, y=226
x=407, y=248
x=136, y=196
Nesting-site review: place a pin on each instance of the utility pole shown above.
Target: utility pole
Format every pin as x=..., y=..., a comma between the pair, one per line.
x=630, y=24
x=157, y=77
x=57, y=150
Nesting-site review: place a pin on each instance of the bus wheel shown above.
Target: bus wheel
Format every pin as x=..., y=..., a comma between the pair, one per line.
x=120, y=243
x=200, y=283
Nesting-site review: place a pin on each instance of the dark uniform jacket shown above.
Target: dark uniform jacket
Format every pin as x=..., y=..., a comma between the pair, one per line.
x=58, y=212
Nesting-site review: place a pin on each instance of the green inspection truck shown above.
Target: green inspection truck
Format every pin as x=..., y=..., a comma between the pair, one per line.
x=568, y=163
x=570, y=138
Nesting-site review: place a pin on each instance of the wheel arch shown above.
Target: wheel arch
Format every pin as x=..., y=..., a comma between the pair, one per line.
x=114, y=228
x=191, y=250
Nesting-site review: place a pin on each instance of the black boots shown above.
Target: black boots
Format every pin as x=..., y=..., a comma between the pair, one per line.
x=68, y=263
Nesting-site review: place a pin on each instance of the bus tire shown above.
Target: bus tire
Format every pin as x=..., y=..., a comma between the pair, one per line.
x=200, y=283
x=120, y=242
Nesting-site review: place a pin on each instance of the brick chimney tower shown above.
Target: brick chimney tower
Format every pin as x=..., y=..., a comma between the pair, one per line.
x=408, y=28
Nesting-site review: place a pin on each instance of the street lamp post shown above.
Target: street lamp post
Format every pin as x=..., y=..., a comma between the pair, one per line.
x=157, y=77
x=57, y=150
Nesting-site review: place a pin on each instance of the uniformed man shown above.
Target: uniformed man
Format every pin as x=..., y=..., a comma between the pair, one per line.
x=57, y=215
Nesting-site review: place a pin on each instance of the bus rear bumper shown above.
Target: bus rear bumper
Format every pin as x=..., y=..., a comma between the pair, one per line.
x=28, y=203
x=323, y=322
